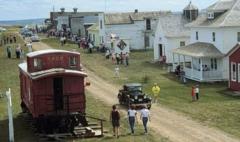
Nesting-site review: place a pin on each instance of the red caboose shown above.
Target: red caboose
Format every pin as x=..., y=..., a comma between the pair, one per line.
x=52, y=89
x=234, y=68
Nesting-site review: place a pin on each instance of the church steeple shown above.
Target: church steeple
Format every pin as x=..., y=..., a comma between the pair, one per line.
x=190, y=12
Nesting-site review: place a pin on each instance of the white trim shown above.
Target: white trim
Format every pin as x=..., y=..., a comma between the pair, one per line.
x=210, y=15
x=232, y=73
x=239, y=72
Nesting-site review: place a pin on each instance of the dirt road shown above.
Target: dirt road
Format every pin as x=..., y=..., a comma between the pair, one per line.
x=166, y=122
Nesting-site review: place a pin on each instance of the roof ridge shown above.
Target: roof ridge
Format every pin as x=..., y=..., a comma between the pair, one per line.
x=230, y=11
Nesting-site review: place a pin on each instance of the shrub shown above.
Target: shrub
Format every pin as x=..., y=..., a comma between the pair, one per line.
x=145, y=79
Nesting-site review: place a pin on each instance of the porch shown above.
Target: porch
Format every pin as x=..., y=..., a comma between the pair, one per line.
x=201, y=62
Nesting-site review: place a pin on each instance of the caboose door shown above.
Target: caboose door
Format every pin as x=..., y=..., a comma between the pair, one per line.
x=58, y=93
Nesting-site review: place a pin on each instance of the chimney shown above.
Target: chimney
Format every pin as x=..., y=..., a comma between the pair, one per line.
x=62, y=10
x=136, y=11
x=75, y=10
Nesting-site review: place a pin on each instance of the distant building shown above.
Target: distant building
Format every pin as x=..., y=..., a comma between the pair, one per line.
x=171, y=33
x=213, y=35
x=76, y=22
x=136, y=27
x=93, y=34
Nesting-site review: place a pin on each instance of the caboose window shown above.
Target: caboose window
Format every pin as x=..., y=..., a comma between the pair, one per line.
x=72, y=61
x=37, y=63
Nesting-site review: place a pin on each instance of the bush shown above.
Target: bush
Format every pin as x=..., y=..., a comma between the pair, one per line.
x=145, y=79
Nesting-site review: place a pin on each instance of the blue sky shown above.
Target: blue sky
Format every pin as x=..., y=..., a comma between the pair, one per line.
x=29, y=9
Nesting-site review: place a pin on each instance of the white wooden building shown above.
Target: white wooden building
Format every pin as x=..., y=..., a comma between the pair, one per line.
x=213, y=35
x=171, y=33
x=138, y=27
x=76, y=22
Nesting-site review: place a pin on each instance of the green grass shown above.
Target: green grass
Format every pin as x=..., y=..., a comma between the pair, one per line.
x=9, y=78
x=213, y=109
x=98, y=109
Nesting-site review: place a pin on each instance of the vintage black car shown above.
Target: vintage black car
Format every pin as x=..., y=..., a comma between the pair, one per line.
x=132, y=94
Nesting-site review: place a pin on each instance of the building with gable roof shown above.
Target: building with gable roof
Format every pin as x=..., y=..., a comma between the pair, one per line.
x=76, y=22
x=213, y=33
x=136, y=27
x=172, y=33
x=93, y=34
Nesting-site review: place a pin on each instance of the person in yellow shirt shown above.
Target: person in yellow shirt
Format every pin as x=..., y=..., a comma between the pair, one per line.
x=156, y=91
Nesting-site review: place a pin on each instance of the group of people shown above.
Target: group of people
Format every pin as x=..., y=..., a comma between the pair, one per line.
x=122, y=58
x=18, y=51
x=132, y=119
x=8, y=40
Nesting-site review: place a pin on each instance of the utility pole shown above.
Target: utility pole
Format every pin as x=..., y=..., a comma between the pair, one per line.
x=10, y=116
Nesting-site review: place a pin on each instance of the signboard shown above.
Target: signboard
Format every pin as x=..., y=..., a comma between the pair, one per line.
x=121, y=46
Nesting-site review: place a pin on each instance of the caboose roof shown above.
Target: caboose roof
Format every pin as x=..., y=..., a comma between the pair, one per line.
x=47, y=51
x=50, y=72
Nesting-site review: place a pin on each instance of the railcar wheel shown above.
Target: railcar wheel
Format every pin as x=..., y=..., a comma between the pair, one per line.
x=24, y=107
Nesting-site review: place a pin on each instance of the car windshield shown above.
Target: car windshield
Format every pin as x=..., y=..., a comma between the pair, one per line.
x=134, y=88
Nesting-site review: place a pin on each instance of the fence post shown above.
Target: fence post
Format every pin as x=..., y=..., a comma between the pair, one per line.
x=10, y=117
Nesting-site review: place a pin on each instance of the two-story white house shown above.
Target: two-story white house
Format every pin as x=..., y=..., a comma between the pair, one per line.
x=213, y=35
x=136, y=27
x=171, y=33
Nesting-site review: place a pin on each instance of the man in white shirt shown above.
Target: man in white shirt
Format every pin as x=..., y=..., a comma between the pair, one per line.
x=145, y=116
x=117, y=71
x=132, y=116
x=197, y=92
x=29, y=46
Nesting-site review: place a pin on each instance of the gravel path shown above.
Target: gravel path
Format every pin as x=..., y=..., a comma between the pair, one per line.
x=164, y=121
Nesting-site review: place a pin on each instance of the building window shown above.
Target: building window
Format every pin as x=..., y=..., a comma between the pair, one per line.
x=72, y=61
x=233, y=71
x=37, y=63
x=214, y=64
x=238, y=36
x=102, y=40
x=213, y=37
x=90, y=37
x=93, y=37
x=196, y=35
x=210, y=15
x=101, y=24
x=148, y=24
x=239, y=72
x=182, y=43
x=147, y=42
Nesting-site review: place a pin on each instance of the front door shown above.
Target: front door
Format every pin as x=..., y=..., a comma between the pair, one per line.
x=58, y=93
x=160, y=50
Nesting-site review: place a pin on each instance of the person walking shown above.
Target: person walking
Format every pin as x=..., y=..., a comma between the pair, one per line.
x=193, y=94
x=117, y=71
x=9, y=51
x=29, y=46
x=132, y=116
x=115, y=119
x=155, y=91
x=18, y=51
x=145, y=117
x=62, y=40
x=126, y=59
x=197, y=92
x=118, y=58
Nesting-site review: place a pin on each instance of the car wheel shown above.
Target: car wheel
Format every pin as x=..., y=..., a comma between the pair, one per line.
x=119, y=99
